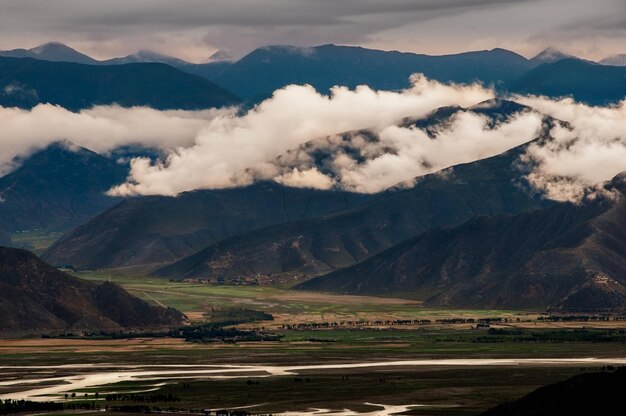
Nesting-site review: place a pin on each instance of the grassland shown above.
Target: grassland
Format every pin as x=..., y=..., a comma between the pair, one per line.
x=36, y=241
x=287, y=306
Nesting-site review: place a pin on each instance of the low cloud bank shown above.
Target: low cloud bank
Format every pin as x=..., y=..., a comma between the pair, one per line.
x=100, y=129
x=357, y=140
x=232, y=150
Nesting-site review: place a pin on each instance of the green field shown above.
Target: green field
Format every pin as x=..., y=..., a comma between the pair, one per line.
x=288, y=306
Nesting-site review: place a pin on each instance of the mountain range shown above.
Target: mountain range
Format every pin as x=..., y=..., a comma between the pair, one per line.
x=169, y=229
x=416, y=238
x=565, y=257
x=36, y=298
x=26, y=82
x=257, y=75
x=140, y=231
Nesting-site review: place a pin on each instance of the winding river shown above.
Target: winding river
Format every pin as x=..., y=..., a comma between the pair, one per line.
x=44, y=385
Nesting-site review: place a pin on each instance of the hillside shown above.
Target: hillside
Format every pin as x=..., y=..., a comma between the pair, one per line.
x=484, y=187
x=564, y=257
x=584, y=394
x=266, y=69
x=57, y=188
x=161, y=229
x=167, y=229
x=584, y=81
x=36, y=298
x=27, y=82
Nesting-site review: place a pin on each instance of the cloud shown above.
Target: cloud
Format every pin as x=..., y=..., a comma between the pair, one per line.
x=185, y=27
x=310, y=178
x=230, y=145
x=359, y=140
x=588, y=151
x=410, y=152
x=101, y=129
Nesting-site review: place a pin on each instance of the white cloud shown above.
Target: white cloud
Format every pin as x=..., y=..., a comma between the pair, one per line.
x=590, y=150
x=311, y=178
x=282, y=138
x=226, y=149
x=101, y=129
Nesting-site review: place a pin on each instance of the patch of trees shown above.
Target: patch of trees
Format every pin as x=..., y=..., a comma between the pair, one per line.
x=9, y=406
x=556, y=336
x=195, y=333
x=581, y=318
x=236, y=316
x=395, y=322
x=211, y=333
x=151, y=398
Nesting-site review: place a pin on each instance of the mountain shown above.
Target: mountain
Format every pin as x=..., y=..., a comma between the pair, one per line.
x=264, y=70
x=36, y=298
x=485, y=187
x=584, y=81
x=209, y=70
x=52, y=51
x=615, y=60
x=57, y=188
x=58, y=52
x=564, y=257
x=165, y=229
x=27, y=82
x=160, y=229
x=221, y=55
x=143, y=56
x=549, y=56
x=583, y=394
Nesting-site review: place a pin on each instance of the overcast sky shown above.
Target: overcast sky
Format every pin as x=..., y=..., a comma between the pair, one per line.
x=194, y=29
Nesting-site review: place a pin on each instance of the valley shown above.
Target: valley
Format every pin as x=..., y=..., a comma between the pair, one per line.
x=309, y=228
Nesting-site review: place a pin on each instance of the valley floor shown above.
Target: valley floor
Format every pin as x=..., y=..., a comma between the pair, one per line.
x=316, y=329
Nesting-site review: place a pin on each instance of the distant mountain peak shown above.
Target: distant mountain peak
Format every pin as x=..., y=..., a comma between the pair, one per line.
x=615, y=60
x=56, y=51
x=51, y=46
x=221, y=55
x=550, y=55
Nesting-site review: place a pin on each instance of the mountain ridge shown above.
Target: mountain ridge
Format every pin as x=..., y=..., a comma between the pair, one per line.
x=36, y=299
x=566, y=257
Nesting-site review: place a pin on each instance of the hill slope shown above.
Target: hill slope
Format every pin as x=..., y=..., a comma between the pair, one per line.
x=485, y=187
x=565, y=257
x=57, y=188
x=159, y=229
x=587, y=82
x=27, y=82
x=36, y=298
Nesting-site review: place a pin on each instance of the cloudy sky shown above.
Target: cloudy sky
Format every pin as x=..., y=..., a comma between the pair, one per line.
x=193, y=29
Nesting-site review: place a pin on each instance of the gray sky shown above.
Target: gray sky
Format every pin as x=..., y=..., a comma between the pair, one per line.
x=193, y=29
